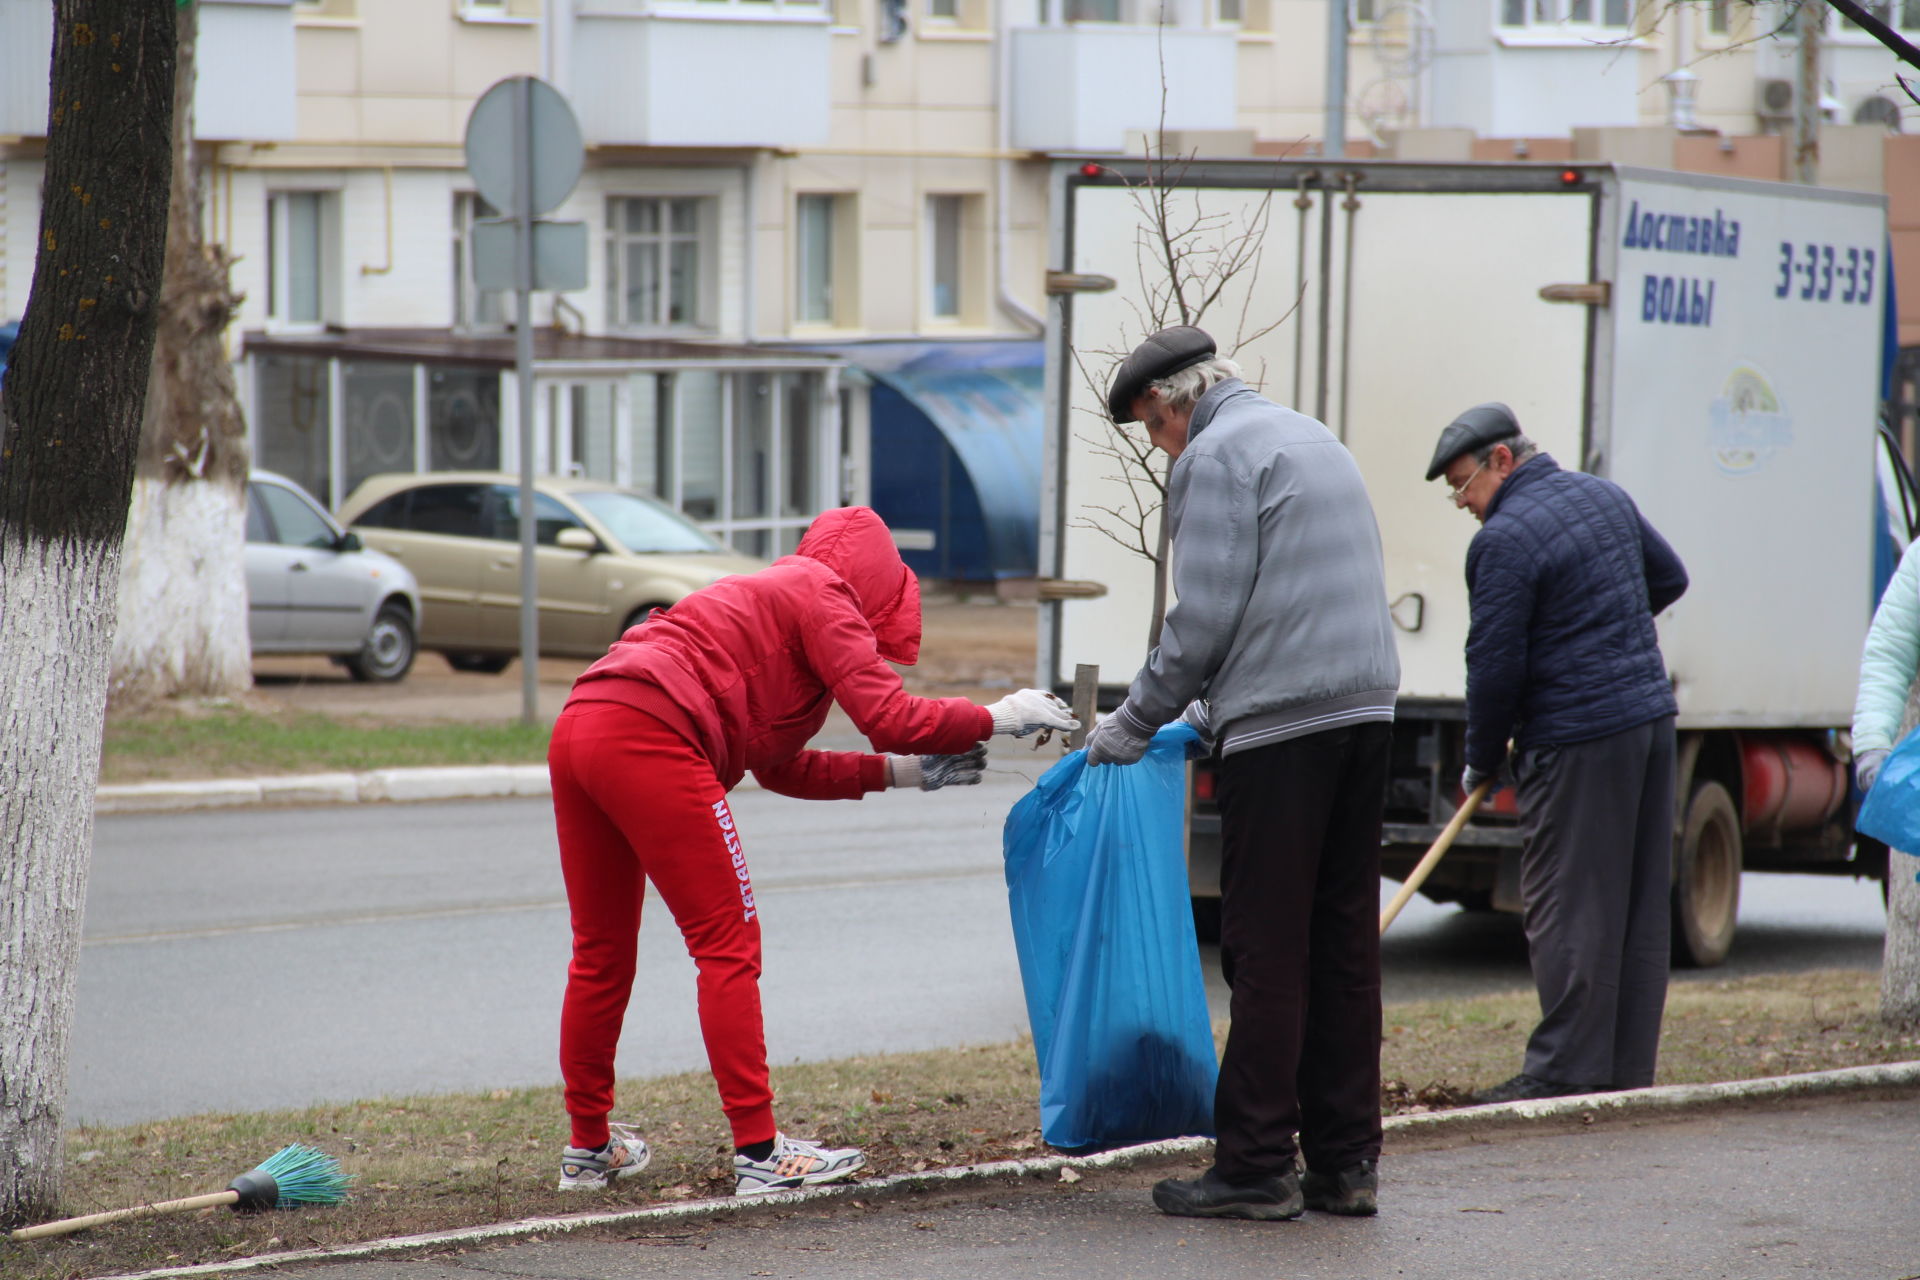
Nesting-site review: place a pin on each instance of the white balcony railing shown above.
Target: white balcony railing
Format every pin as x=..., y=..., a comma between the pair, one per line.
x=244, y=86
x=1083, y=87
x=713, y=74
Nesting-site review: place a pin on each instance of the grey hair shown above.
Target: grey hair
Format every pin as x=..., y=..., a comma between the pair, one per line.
x=1522, y=448
x=1181, y=391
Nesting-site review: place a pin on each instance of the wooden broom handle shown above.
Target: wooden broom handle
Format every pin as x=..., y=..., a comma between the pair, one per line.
x=1432, y=860
x=68, y=1225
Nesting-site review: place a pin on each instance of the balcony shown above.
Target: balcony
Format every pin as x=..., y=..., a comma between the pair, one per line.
x=722, y=75
x=1084, y=87
x=244, y=87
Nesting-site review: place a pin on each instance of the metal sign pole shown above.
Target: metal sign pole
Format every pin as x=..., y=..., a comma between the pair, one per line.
x=523, y=364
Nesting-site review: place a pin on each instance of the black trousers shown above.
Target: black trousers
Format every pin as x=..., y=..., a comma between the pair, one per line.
x=1597, y=818
x=1300, y=947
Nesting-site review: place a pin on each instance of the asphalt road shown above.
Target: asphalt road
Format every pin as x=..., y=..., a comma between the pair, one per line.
x=253, y=959
x=1802, y=1191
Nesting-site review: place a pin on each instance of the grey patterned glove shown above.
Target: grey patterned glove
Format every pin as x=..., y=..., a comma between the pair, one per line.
x=1113, y=741
x=930, y=773
x=1866, y=767
x=1472, y=777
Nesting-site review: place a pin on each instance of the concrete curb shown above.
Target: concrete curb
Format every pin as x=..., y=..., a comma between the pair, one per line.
x=474, y=782
x=1463, y=1123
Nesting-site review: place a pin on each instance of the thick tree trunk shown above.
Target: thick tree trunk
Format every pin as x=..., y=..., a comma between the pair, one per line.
x=69, y=427
x=183, y=590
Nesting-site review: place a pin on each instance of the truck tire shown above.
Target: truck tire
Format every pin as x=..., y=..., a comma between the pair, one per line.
x=1706, y=879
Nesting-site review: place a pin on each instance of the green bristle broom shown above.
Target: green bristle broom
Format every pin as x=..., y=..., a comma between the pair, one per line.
x=289, y=1178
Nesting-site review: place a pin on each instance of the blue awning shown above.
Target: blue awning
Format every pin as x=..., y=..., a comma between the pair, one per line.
x=983, y=398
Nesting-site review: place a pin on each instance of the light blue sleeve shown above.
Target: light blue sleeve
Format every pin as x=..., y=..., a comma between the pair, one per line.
x=1889, y=661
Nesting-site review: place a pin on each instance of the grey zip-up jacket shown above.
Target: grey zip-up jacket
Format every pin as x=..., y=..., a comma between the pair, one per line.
x=1281, y=620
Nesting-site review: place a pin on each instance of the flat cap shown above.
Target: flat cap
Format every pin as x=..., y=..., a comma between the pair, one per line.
x=1478, y=427
x=1165, y=353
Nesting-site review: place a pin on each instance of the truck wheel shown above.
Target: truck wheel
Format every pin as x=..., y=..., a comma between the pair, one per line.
x=1706, y=879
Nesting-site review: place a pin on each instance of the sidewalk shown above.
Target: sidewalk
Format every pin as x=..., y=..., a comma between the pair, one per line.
x=1797, y=1176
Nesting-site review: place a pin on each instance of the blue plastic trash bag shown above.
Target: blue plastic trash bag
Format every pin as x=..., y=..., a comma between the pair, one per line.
x=1891, y=813
x=1097, y=880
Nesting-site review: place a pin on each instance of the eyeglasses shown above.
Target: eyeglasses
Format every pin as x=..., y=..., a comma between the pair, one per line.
x=1457, y=493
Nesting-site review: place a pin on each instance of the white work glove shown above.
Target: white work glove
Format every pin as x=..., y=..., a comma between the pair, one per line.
x=1026, y=711
x=1866, y=767
x=930, y=773
x=1113, y=741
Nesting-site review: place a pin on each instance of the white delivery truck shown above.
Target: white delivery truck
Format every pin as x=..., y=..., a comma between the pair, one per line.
x=1712, y=345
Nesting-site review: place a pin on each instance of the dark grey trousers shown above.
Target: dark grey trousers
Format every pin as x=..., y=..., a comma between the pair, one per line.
x=1597, y=818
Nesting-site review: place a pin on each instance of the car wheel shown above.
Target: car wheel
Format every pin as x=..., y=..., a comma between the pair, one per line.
x=388, y=653
x=637, y=617
x=486, y=664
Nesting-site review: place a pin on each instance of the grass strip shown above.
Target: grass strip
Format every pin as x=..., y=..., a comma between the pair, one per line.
x=446, y=1161
x=228, y=740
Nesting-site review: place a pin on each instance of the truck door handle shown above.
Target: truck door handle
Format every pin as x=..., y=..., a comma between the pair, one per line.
x=298, y=566
x=506, y=564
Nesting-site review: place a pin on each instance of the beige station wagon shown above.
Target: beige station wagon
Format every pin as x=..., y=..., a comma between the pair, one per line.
x=607, y=556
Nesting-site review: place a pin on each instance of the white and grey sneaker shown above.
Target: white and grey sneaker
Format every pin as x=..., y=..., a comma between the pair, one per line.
x=794, y=1163
x=624, y=1155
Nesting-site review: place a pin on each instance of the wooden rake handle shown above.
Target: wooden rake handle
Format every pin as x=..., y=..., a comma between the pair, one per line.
x=1433, y=856
x=68, y=1225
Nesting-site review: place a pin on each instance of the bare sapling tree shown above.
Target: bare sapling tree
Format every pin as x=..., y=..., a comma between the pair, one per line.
x=69, y=426
x=183, y=592
x=1189, y=260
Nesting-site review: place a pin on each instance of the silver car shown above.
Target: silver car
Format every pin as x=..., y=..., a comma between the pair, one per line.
x=312, y=588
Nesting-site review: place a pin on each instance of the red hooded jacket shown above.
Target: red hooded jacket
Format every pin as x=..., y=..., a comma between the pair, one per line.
x=745, y=669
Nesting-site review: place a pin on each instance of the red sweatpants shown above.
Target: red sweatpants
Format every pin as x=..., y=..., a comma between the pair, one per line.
x=635, y=802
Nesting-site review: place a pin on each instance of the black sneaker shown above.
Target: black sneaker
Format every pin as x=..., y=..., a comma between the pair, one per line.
x=1210, y=1196
x=1353, y=1192
x=1523, y=1088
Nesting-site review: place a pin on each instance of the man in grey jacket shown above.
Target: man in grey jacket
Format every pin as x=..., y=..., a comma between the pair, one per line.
x=1281, y=627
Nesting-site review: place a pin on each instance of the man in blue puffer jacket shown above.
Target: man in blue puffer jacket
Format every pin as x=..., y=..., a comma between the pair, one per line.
x=1565, y=578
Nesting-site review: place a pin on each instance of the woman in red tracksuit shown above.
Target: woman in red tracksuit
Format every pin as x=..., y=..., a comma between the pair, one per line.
x=734, y=677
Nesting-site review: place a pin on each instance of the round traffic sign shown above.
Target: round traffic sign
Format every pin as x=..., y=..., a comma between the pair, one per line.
x=554, y=151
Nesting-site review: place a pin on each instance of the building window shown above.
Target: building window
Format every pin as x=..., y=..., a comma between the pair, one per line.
x=1232, y=11
x=944, y=10
x=952, y=252
x=292, y=421
x=1902, y=15
x=825, y=257
x=473, y=307
x=1542, y=14
x=813, y=259
x=660, y=254
x=298, y=260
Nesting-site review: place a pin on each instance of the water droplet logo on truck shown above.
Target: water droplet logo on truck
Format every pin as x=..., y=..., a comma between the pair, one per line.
x=1747, y=423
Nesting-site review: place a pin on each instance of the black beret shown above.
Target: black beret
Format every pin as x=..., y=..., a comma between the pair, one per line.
x=1162, y=355
x=1478, y=427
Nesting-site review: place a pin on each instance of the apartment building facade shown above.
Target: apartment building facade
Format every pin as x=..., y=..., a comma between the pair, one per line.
x=817, y=227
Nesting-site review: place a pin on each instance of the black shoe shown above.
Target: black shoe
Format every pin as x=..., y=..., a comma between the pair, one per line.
x=1524, y=1087
x=1353, y=1192
x=1211, y=1196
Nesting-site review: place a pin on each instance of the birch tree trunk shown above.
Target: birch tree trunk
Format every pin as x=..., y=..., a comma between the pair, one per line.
x=183, y=588
x=69, y=426
x=1900, y=961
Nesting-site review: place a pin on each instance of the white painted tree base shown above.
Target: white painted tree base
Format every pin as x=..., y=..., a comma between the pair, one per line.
x=55, y=612
x=182, y=628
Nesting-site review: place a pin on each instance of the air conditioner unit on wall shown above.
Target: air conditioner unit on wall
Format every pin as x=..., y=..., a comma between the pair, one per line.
x=1875, y=109
x=1775, y=100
